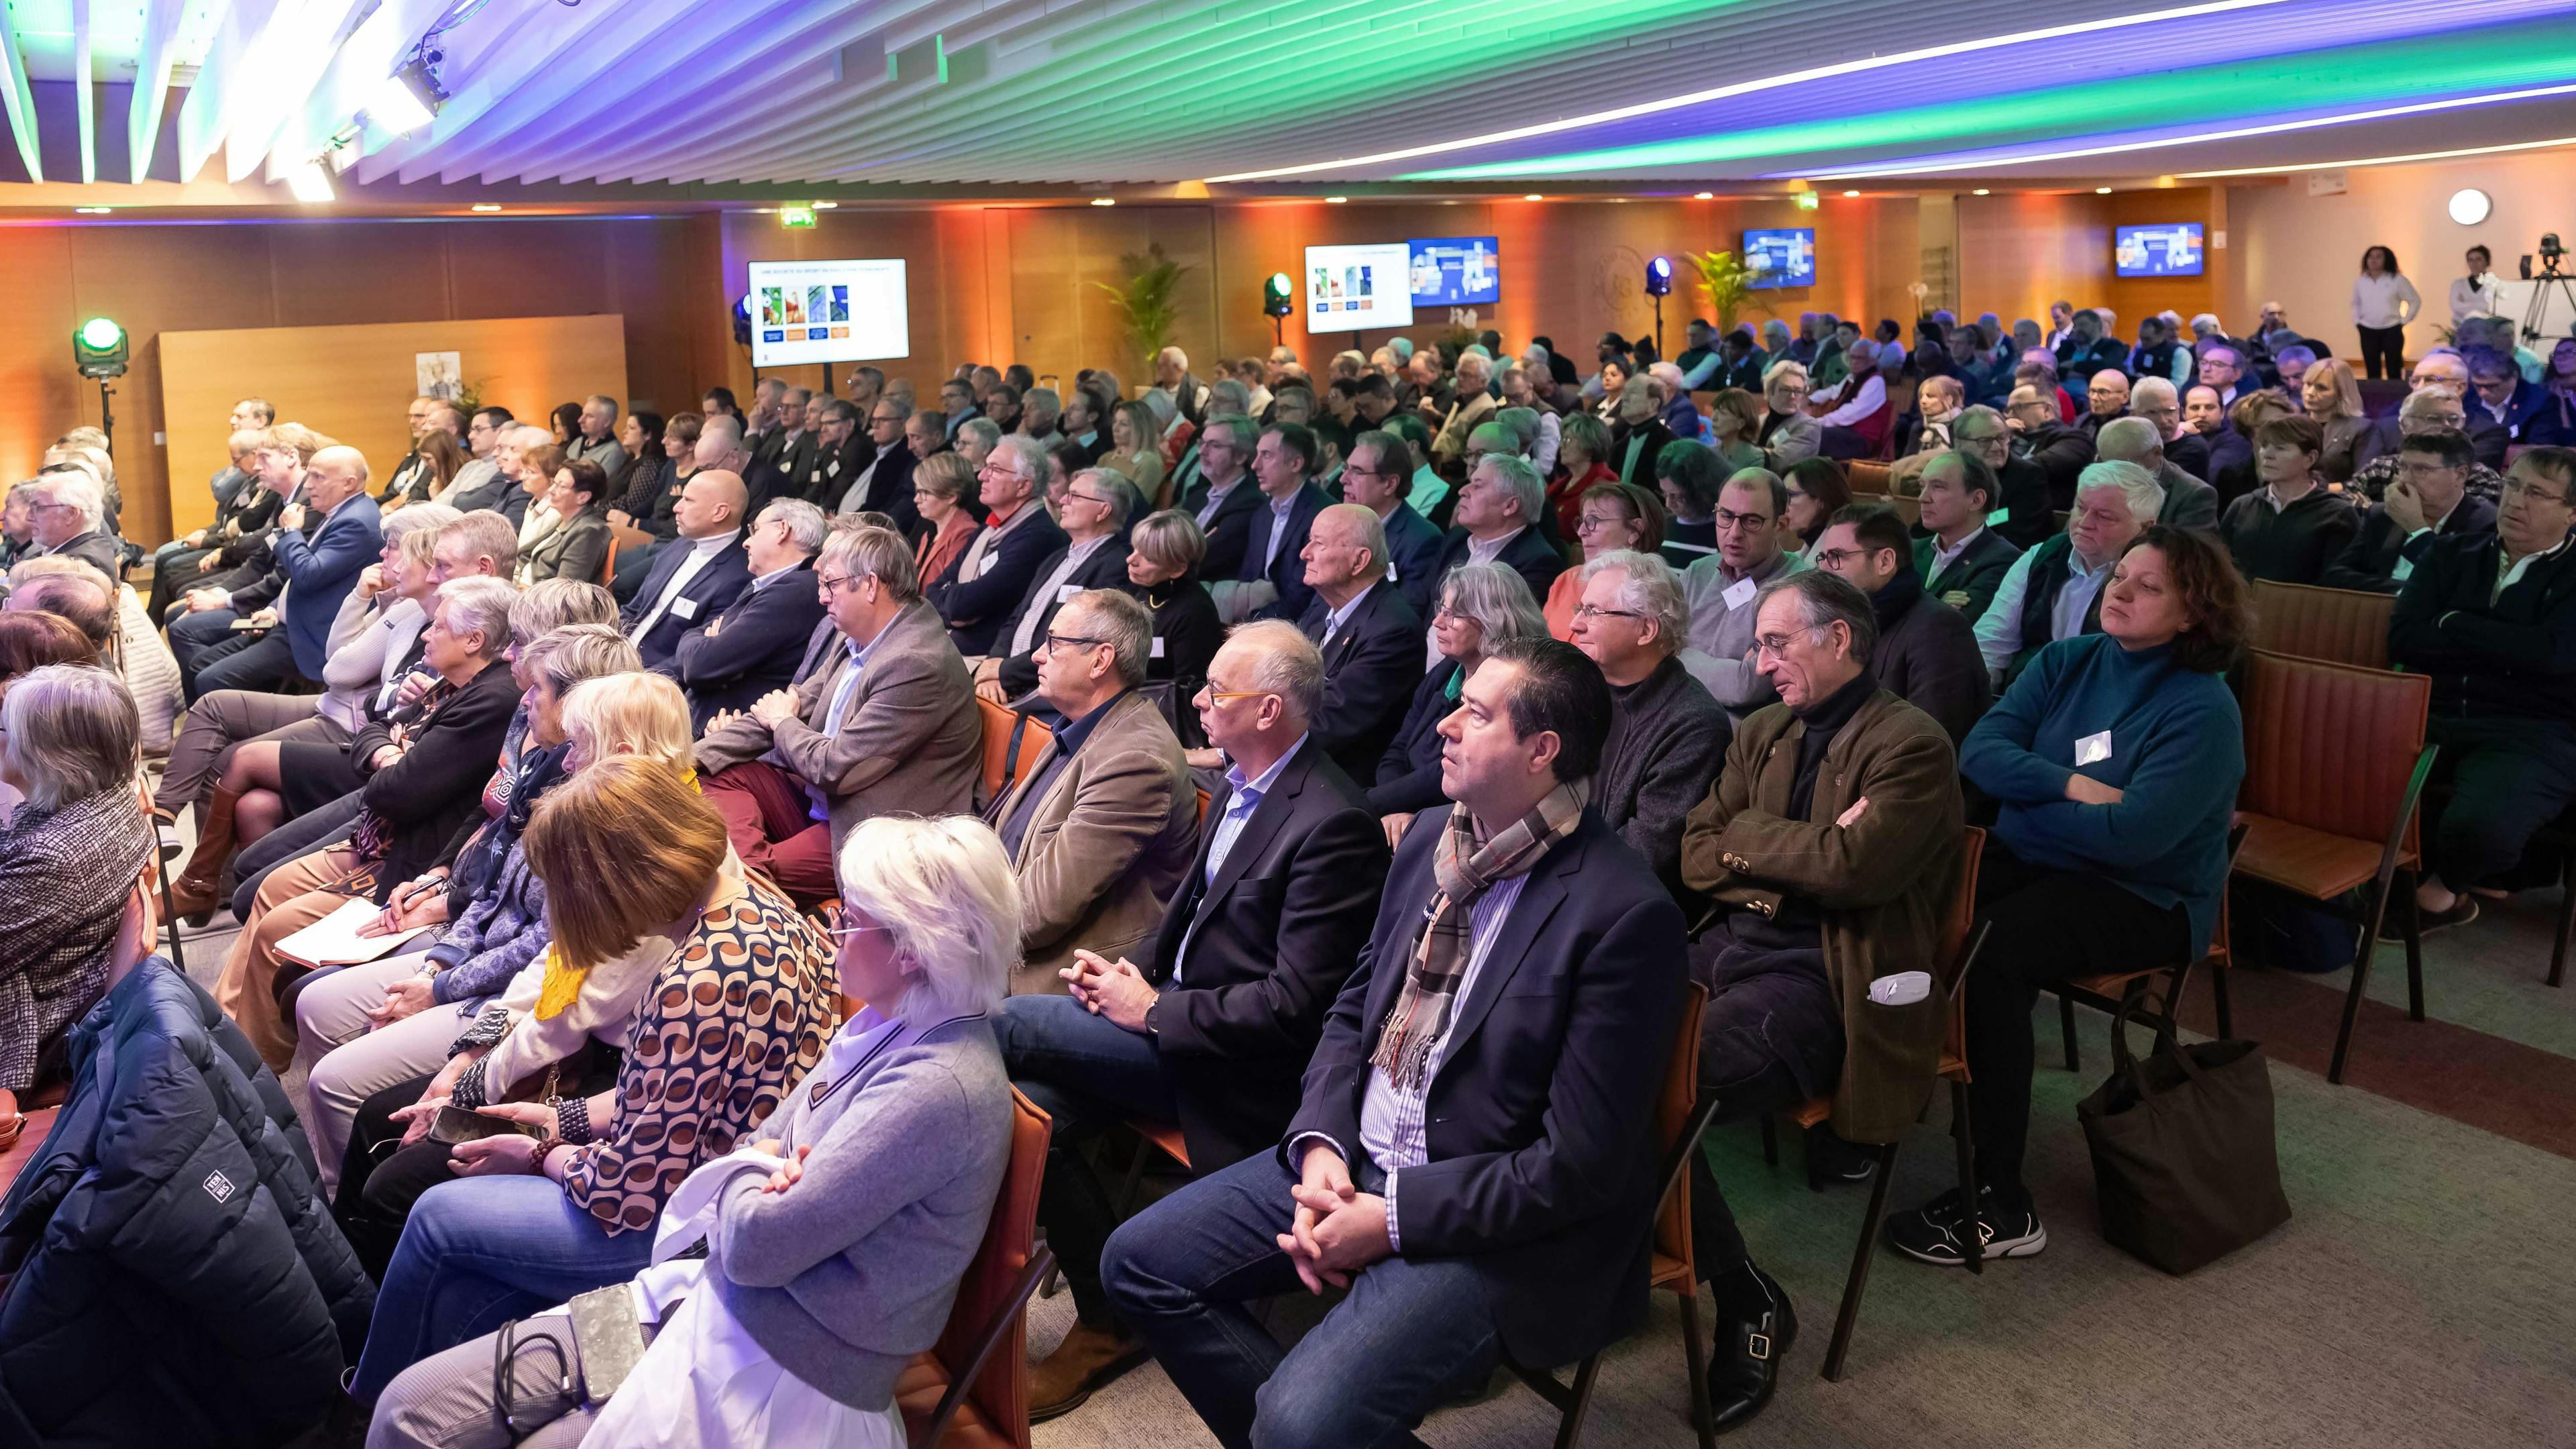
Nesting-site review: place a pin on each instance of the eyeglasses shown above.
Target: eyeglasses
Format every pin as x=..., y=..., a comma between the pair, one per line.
x=1726, y=520
x=843, y=933
x=1834, y=558
x=1592, y=611
x=1777, y=645
x=834, y=583
x=1053, y=642
x=1215, y=694
x=2517, y=488
x=1087, y=497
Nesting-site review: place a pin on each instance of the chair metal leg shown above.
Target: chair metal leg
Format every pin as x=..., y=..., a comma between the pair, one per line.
x=2360, y=981
x=2218, y=998
x=1964, y=1130
x=2566, y=917
x=2066, y=1025
x=2414, y=926
x=178, y=953
x=1771, y=1139
x=1570, y=1428
x=1858, y=1282
x=1695, y=1353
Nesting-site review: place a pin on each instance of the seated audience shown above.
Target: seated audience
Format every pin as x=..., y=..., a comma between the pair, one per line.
x=1471, y=405
x=2156, y=401
x=1102, y=827
x=1582, y=444
x=1377, y=477
x=295, y=601
x=1638, y=432
x=2427, y=500
x=595, y=435
x=739, y=1013
x=423, y=771
x=884, y=724
x=2107, y=856
x=1219, y=498
x=1817, y=489
x=2040, y=438
x=1272, y=574
x=181, y=560
x=70, y=853
x=1098, y=505
x=941, y=490
x=1926, y=652
x=1937, y=405
x=2108, y=397
x=1614, y=516
x=697, y=575
x=992, y=575
x=1164, y=551
x=2443, y=374
x=2433, y=410
x=825, y=1305
x=1788, y=433
x=1368, y=634
x=1854, y=412
x=1667, y=734
x=753, y=647
x=68, y=511
x=1496, y=522
x=2189, y=503
x=577, y=546
x=1520, y=1225
x=1212, y=1030
x=2291, y=529
x=2492, y=618
x=1828, y=875
x=1135, y=448
x=1961, y=560
x=2054, y=591
x=1752, y=550
x=1481, y=605
x=1688, y=477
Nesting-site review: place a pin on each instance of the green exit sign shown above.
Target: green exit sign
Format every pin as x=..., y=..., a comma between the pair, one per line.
x=795, y=216
x=1806, y=202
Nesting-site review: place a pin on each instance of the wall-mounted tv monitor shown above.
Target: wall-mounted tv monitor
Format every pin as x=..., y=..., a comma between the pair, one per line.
x=2171, y=249
x=828, y=312
x=1358, y=288
x=1781, y=256
x=1456, y=271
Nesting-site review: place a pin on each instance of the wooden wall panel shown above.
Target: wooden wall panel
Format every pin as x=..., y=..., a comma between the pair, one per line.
x=40, y=395
x=2019, y=253
x=360, y=272
x=352, y=382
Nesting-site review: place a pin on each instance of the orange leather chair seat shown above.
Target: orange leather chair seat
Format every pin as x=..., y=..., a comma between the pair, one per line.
x=917, y=1391
x=2311, y=862
x=40, y=1122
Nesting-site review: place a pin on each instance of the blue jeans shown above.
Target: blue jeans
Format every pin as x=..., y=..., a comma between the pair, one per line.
x=1409, y=1335
x=1089, y=1074
x=478, y=1252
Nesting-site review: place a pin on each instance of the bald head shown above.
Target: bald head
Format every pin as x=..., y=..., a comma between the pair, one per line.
x=711, y=503
x=719, y=446
x=335, y=475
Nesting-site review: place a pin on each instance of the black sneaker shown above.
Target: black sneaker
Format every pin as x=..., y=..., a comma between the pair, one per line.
x=1936, y=1233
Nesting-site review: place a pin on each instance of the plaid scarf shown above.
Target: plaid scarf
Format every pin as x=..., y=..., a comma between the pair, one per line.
x=1463, y=864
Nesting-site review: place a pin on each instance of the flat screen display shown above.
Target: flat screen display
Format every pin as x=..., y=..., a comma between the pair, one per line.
x=1781, y=256
x=1357, y=288
x=845, y=311
x=2169, y=250
x=1456, y=271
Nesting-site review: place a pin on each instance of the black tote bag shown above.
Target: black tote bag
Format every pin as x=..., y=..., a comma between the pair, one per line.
x=2184, y=1163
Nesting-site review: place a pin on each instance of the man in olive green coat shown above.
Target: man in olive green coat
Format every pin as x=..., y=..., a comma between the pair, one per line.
x=1831, y=849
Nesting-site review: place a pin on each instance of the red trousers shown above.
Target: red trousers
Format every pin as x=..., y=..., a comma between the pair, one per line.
x=767, y=817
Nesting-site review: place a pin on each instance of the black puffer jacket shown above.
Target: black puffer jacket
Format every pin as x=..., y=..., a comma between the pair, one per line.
x=177, y=1278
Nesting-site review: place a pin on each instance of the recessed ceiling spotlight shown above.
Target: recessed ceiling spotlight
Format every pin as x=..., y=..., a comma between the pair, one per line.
x=2101, y=191
x=1335, y=200
x=1703, y=196
x=1851, y=193
x=826, y=205
x=93, y=210
x=1984, y=191
x=487, y=206
x=1104, y=201
x=1533, y=196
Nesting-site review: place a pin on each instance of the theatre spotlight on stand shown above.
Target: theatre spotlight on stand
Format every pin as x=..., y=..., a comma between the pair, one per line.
x=1278, y=299
x=1659, y=285
x=100, y=348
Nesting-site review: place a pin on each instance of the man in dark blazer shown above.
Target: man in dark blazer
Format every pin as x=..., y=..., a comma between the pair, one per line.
x=1927, y=653
x=1284, y=465
x=2441, y=385
x=2189, y=503
x=1487, y=1187
x=2428, y=500
x=1369, y=634
x=883, y=484
x=1496, y=517
x=841, y=450
x=1960, y=559
x=1212, y=1031
x=995, y=571
x=1377, y=477
x=1098, y=506
x=312, y=575
x=695, y=576
x=1225, y=497
x=2021, y=492
x=753, y=647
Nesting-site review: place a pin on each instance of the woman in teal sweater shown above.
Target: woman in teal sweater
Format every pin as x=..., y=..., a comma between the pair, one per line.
x=2115, y=758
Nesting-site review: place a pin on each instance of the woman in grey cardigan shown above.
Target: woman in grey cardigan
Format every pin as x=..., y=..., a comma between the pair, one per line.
x=834, y=1251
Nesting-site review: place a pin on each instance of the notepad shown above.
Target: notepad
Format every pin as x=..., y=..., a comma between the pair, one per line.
x=334, y=939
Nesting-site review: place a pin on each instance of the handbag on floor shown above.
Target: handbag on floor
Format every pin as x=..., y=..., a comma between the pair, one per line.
x=2184, y=1163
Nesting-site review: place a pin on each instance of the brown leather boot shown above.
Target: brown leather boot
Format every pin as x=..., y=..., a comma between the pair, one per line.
x=1090, y=1357
x=195, y=894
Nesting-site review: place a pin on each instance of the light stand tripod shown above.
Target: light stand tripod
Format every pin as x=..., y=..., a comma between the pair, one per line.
x=2537, y=313
x=107, y=415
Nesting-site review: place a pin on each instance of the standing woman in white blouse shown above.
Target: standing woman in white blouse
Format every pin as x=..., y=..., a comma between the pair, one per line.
x=2474, y=295
x=2383, y=302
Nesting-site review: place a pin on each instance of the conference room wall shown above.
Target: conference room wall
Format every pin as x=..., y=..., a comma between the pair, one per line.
x=2303, y=251
x=155, y=278
x=2021, y=251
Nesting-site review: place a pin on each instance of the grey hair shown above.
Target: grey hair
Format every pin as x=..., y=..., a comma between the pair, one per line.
x=1520, y=476
x=481, y=606
x=1029, y=453
x=1244, y=431
x=418, y=516
x=2146, y=496
x=2296, y=352
x=1771, y=375
x=72, y=732
x=553, y=604
x=566, y=656
x=78, y=489
x=727, y=424
x=486, y=534
x=1652, y=589
x=1484, y=365
x=950, y=902
x=1825, y=599
x=1046, y=402
x=986, y=429
x=2151, y=389
x=1285, y=662
x=1522, y=424
x=1496, y=597
x=1119, y=620
x=2127, y=439
x=1114, y=486
x=806, y=524
x=881, y=552
x=1171, y=538
x=1228, y=390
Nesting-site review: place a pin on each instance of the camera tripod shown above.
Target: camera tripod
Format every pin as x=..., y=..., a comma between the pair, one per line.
x=2537, y=313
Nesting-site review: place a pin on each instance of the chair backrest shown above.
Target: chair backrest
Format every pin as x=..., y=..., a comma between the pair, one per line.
x=2340, y=626
x=1001, y=767
x=1865, y=476
x=2332, y=747
x=1672, y=1118
x=996, y=1285
x=137, y=932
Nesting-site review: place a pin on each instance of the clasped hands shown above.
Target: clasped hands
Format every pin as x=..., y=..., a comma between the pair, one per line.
x=1337, y=1230
x=1112, y=989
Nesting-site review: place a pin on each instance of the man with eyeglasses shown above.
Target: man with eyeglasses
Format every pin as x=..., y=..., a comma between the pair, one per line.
x=1962, y=558
x=883, y=484
x=1496, y=517
x=1752, y=534
x=886, y=725
x=1098, y=506
x=1210, y=1028
x=2441, y=382
x=1224, y=498
x=1368, y=634
x=1927, y=650
x=2492, y=621
x=2106, y=397
x=478, y=483
x=2499, y=393
x=2427, y=500
x=1667, y=734
x=997, y=567
x=2057, y=449
x=1831, y=847
x=2157, y=402
x=1379, y=477
x=753, y=647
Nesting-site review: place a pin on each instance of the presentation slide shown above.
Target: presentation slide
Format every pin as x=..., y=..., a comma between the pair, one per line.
x=1456, y=271
x=2170, y=250
x=1361, y=288
x=1781, y=257
x=828, y=312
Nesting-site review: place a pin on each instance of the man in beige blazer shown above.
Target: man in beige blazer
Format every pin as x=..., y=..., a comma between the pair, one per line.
x=1103, y=826
x=885, y=724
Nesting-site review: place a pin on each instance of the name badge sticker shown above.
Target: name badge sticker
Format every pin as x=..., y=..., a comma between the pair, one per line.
x=685, y=608
x=1740, y=593
x=2093, y=749
x=1158, y=649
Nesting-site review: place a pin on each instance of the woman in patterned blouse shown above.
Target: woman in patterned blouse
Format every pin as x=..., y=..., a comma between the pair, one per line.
x=743, y=1008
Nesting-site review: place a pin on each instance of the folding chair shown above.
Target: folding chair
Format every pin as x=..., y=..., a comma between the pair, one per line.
x=2128, y=989
x=972, y=1388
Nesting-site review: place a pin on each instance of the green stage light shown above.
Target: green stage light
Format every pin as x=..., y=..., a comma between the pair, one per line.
x=1275, y=300
x=99, y=348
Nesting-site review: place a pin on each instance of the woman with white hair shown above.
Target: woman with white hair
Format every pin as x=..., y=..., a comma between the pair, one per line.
x=1481, y=605
x=69, y=856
